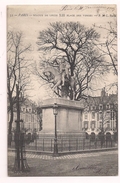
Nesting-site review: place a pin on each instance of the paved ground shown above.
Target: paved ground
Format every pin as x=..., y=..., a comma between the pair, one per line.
x=71, y=156
x=88, y=164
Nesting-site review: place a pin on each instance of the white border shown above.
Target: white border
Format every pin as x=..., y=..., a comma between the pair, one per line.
x=3, y=96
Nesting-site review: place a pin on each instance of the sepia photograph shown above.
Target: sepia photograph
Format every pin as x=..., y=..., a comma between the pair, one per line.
x=62, y=90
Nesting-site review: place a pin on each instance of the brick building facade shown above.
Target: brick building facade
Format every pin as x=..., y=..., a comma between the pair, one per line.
x=100, y=114
x=29, y=115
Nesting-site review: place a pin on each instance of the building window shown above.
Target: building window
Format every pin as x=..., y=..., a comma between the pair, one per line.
x=108, y=115
x=93, y=108
x=29, y=118
x=86, y=115
x=100, y=115
x=111, y=106
x=23, y=117
x=88, y=108
x=108, y=124
x=30, y=110
x=112, y=115
x=93, y=115
x=93, y=125
x=34, y=111
x=100, y=106
x=23, y=109
x=97, y=116
x=86, y=125
x=107, y=106
x=100, y=124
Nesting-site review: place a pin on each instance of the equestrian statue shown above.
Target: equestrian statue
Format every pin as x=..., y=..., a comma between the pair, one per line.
x=62, y=78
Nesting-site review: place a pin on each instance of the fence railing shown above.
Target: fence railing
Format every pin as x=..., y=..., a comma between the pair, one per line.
x=66, y=144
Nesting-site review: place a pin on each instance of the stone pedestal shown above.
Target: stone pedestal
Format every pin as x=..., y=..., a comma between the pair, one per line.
x=69, y=117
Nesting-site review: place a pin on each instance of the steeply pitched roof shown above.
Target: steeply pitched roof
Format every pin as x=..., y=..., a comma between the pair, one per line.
x=104, y=100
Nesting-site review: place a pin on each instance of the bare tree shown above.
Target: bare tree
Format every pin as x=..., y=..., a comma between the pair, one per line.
x=75, y=44
x=109, y=45
x=17, y=69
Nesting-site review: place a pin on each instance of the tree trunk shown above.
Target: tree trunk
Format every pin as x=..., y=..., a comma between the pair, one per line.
x=11, y=119
x=10, y=125
x=72, y=70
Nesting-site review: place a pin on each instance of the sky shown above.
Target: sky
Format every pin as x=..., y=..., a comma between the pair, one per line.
x=32, y=19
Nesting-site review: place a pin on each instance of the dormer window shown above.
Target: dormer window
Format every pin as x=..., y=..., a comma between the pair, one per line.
x=107, y=106
x=88, y=108
x=100, y=106
x=111, y=106
x=93, y=108
x=100, y=124
x=34, y=111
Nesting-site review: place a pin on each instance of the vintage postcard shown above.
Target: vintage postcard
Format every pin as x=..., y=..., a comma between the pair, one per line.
x=62, y=90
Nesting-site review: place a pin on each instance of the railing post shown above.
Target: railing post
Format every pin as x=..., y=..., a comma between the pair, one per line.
x=111, y=142
x=83, y=144
x=61, y=145
x=51, y=145
x=36, y=143
x=90, y=144
x=95, y=143
x=106, y=143
x=76, y=144
x=69, y=144
x=43, y=144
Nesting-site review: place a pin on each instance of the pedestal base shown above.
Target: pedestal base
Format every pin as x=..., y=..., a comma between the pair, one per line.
x=69, y=117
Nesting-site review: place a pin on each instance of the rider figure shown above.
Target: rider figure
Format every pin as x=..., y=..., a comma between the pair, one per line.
x=64, y=70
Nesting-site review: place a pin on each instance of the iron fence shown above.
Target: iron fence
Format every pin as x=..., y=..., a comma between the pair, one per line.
x=66, y=144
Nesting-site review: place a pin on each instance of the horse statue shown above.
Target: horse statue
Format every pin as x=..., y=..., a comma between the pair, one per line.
x=57, y=76
x=58, y=79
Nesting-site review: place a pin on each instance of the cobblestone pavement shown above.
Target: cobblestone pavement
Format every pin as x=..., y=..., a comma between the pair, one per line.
x=87, y=164
x=71, y=156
